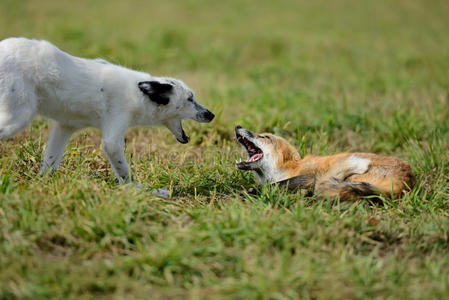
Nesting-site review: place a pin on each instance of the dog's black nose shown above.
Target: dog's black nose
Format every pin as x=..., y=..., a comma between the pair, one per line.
x=209, y=116
x=238, y=127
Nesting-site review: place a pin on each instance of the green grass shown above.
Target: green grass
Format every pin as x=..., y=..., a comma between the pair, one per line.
x=330, y=76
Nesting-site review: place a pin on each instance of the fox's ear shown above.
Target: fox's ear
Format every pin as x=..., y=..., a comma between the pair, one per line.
x=156, y=91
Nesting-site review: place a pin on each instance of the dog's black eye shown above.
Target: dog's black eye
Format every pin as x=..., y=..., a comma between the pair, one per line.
x=190, y=99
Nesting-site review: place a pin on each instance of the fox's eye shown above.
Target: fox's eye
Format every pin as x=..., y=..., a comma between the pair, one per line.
x=263, y=136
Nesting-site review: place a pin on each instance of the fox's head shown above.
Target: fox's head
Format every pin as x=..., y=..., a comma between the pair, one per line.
x=270, y=156
x=175, y=101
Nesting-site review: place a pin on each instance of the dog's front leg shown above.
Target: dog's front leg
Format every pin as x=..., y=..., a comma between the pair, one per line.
x=56, y=144
x=113, y=146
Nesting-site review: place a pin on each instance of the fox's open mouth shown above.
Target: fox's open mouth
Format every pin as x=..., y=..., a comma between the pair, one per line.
x=255, y=153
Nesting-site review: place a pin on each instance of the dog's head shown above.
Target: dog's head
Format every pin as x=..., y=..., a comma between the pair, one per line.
x=176, y=101
x=270, y=156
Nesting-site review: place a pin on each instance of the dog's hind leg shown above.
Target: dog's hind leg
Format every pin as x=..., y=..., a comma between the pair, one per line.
x=59, y=137
x=17, y=108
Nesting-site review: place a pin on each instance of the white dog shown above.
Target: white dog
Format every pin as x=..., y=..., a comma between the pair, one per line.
x=38, y=78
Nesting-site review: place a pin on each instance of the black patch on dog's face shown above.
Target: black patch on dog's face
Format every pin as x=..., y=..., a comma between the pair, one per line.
x=157, y=91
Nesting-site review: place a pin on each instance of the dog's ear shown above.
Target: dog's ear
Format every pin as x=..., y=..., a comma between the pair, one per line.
x=156, y=91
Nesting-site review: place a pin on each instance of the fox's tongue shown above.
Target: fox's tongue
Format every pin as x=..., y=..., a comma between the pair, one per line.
x=255, y=157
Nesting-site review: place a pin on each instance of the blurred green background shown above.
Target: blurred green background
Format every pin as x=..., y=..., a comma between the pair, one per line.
x=331, y=76
x=312, y=64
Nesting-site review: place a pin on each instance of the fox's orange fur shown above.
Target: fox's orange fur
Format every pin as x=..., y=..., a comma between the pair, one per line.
x=345, y=175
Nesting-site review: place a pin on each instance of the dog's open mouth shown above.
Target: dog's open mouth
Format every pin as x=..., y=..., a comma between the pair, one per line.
x=184, y=137
x=255, y=153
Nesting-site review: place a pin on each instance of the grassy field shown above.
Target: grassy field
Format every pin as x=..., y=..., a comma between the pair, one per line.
x=330, y=76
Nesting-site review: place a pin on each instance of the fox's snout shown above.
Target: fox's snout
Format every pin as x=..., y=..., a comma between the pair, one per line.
x=240, y=131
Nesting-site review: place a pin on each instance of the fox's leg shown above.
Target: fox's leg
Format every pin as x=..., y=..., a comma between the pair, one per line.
x=345, y=190
x=394, y=187
x=56, y=144
x=331, y=184
x=346, y=167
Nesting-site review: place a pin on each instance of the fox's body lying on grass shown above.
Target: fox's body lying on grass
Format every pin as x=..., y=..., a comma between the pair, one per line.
x=347, y=176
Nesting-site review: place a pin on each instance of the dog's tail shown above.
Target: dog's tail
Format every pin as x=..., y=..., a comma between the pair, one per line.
x=345, y=190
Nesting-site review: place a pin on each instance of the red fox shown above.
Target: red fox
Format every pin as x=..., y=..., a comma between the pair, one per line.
x=348, y=176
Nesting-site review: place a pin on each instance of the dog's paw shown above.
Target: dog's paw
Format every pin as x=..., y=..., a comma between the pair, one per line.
x=163, y=193
x=358, y=165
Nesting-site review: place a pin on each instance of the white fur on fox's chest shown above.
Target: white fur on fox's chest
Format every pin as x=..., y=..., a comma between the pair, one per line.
x=270, y=173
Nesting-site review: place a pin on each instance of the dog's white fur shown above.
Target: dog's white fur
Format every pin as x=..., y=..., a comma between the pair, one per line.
x=38, y=78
